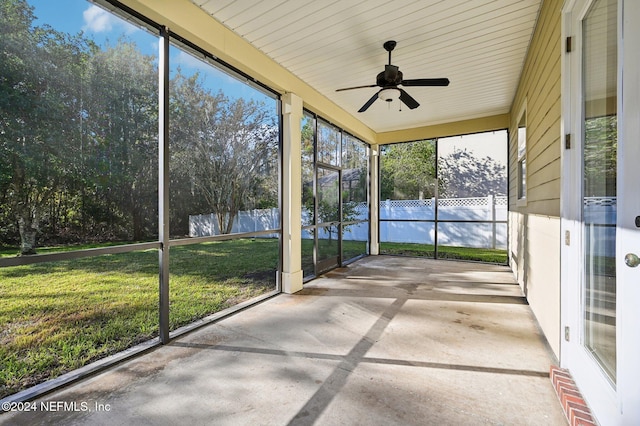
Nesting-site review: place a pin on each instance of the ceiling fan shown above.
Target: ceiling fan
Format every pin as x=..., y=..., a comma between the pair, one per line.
x=390, y=79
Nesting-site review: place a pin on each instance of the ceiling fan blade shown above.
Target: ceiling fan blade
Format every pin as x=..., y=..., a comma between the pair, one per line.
x=356, y=87
x=426, y=82
x=369, y=102
x=408, y=100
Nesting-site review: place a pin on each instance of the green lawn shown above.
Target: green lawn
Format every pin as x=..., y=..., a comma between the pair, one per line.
x=445, y=252
x=59, y=316
x=56, y=317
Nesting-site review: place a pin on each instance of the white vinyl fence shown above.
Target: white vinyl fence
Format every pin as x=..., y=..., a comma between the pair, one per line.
x=600, y=221
x=403, y=221
x=204, y=225
x=466, y=222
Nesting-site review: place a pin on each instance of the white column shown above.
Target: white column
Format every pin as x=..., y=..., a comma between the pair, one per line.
x=291, y=194
x=374, y=197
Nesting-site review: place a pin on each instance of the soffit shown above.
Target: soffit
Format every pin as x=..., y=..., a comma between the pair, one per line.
x=479, y=45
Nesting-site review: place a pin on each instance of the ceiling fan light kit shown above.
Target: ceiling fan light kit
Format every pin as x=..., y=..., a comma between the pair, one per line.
x=389, y=95
x=389, y=80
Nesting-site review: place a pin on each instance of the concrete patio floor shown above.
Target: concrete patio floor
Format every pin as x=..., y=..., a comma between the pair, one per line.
x=384, y=341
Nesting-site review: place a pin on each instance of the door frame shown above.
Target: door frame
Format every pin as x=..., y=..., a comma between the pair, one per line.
x=619, y=403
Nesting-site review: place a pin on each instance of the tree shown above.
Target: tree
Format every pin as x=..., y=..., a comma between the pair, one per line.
x=407, y=171
x=121, y=139
x=38, y=75
x=328, y=200
x=600, y=156
x=355, y=167
x=224, y=150
x=307, y=148
x=228, y=169
x=79, y=141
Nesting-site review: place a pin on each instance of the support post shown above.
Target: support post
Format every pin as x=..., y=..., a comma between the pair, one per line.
x=163, y=184
x=374, y=201
x=291, y=194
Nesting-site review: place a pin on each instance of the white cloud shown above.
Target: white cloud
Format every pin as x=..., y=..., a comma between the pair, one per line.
x=155, y=45
x=97, y=20
x=186, y=60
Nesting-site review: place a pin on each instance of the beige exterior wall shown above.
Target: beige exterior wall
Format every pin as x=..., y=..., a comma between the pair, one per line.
x=537, y=268
x=456, y=128
x=535, y=224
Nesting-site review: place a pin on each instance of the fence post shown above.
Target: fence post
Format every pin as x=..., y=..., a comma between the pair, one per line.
x=254, y=213
x=434, y=210
x=492, y=206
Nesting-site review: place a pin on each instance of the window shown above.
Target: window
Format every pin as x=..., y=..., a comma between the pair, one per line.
x=522, y=155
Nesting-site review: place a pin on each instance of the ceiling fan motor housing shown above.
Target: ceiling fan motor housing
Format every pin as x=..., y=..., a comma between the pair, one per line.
x=390, y=77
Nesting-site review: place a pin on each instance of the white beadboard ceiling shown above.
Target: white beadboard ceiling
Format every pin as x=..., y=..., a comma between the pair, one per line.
x=480, y=45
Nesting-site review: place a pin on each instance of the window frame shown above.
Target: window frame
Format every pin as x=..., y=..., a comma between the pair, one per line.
x=521, y=156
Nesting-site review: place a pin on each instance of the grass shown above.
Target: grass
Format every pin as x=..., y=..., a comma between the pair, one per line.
x=59, y=316
x=6, y=251
x=56, y=317
x=446, y=252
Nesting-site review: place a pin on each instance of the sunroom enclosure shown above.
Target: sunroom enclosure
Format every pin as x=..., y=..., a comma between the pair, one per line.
x=123, y=252
x=552, y=72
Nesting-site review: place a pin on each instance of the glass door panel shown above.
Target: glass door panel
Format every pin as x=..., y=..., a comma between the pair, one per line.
x=308, y=125
x=599, y=206
x=328, y=212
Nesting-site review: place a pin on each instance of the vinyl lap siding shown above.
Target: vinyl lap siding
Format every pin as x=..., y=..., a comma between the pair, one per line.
x=540, y=87
x=534, y=238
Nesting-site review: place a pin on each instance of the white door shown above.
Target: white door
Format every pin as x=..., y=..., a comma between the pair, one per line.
x=601, y=206
x=629, y=218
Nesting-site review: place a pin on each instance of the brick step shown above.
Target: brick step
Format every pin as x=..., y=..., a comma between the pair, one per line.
x=574, y=406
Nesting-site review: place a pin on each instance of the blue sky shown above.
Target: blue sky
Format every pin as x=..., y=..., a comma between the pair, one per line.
x=73, y=16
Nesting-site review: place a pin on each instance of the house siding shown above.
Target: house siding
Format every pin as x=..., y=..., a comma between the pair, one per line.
x=535, y=224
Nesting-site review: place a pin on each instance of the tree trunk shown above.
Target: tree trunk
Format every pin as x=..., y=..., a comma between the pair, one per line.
x=230, y=218
x=221, y=222
x=28, y=229
x=137, y=226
